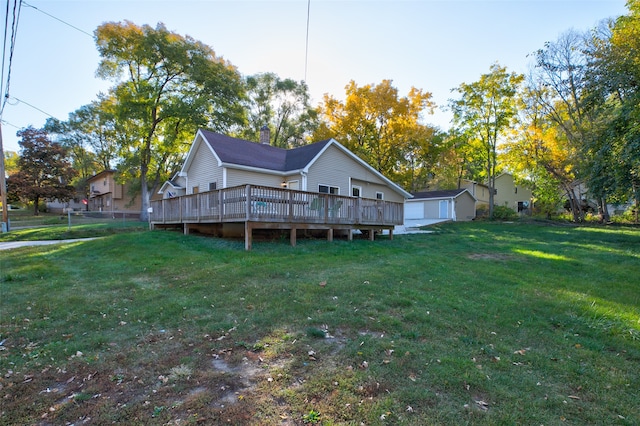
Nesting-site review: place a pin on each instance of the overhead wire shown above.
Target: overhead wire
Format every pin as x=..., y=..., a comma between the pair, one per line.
x=14, y=27
x=17, y=6
x=57, y=19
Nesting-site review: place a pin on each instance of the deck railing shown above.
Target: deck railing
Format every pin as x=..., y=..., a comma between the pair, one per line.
x=268, y=204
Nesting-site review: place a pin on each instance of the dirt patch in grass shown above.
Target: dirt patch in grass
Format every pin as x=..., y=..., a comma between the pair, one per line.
x=490, y=256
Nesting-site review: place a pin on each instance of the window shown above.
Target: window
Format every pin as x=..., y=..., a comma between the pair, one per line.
x=379, y=196
x=293, y=184
x=326, y=189
x=213, y=186
x=356, y=191
x=195, y=190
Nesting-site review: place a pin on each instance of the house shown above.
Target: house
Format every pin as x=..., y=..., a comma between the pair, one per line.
x=278, y=188
x=437, y=206
x=507, y=193
x=107, y=195
x=519, y=198
x=217, y=161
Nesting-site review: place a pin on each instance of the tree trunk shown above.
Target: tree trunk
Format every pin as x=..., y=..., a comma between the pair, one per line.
x=144, y=194
x=36, y=201
x=603, y=210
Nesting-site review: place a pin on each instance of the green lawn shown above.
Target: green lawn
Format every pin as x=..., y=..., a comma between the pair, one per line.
x=476, y=323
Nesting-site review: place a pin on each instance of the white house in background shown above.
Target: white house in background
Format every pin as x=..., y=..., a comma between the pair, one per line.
x=443, y=205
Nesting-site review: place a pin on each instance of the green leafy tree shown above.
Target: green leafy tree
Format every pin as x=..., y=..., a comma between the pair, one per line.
x=560, y=84
x=167, y=86
x=283, y=106
x=44, y=171
x=381, y=127
x=10, y=162
x=89, y=137
x=614, y=83
x=484, y=112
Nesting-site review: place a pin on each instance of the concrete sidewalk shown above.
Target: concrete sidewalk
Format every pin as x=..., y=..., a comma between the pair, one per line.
x=16, y=244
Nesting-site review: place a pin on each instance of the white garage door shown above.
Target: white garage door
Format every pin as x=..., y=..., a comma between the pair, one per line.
x=414, y=210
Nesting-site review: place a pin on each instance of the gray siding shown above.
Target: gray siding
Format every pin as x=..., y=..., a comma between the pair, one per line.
x=203, y=170
x=465, y=208
x=237, y=177
x=335, y=168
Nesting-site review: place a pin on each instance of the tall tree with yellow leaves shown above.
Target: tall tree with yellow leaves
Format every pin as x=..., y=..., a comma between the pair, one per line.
x=382, y=128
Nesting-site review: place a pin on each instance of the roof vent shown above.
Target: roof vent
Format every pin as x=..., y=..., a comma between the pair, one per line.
x=265, y=135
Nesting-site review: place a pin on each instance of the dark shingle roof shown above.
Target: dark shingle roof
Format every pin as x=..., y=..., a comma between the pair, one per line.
x=245, y=153
x=438, y=194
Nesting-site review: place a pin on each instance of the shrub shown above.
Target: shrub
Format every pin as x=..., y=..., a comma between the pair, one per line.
x=504, y=213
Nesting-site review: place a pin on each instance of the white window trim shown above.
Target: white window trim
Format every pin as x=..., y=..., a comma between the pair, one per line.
x=359, y=190
x=381, y=195
x=329, y=186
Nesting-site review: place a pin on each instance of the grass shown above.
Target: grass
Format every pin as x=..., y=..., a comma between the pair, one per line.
x=476, y=323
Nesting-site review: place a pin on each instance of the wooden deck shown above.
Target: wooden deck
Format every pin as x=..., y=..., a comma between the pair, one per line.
x=260, y=207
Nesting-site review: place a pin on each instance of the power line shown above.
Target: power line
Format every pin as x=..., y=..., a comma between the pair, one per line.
x=14, y=32
x=34, y=107
x=57, y=19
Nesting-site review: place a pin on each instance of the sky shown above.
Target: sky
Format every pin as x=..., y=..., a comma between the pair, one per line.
x=432, y=45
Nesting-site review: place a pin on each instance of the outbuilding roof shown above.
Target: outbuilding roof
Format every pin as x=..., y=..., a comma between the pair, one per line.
x=445, y=193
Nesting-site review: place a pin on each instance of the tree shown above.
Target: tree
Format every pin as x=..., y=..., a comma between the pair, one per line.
x=484, y=111
x=379, y=126
x=561, y=89
x=538, y=153
x=283, y=106
x=89, y=137
x=44, y=170
x=10, y=162
x=613, y=79
x=167, y=86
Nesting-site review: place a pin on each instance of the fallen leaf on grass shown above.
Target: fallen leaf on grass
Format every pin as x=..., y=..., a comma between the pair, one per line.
x=482, y=405
x=573, y=397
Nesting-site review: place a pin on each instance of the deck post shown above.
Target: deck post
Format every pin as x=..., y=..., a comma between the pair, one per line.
x=391, y=233
x=292, y=236
x=350, y=234
x=185, y=229
x=220, y=205
x=330, y=234
x=247, y=207
x=372, y=234
x=248, y=235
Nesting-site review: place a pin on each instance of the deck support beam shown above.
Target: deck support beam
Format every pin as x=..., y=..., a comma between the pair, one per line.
x=248, y=235
x=292, y=236
x=330, y=234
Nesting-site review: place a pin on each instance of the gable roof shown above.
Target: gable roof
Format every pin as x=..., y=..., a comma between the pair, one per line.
x=446, y=193
x=240, y=153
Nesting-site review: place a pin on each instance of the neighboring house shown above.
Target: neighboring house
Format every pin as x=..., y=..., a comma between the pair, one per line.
x=453, y=204
x=507, y=193
x=478, y=190
x=517, y=197
x=217, y=161
x=174, y=187
x=75, y=204
x=107, y=195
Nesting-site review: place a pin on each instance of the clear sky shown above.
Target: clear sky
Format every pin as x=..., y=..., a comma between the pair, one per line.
x=433, y=45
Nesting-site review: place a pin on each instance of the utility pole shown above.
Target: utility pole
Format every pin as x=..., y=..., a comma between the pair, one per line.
x=3, y=188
